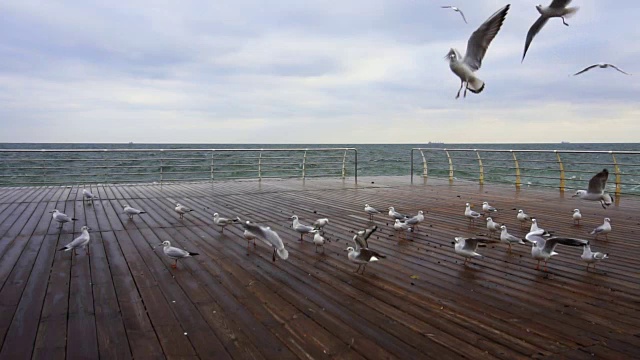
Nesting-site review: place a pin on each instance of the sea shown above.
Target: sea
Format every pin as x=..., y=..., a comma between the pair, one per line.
x=535, y=168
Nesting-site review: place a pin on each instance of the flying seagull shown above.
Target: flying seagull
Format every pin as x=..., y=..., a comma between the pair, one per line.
x=558, y=8
x=456, y=10
x=602, y=66
x=269, y=237
x=595, y=191
x=476, y=48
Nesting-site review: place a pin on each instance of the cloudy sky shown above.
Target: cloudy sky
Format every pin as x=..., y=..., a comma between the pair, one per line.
x=306, y=71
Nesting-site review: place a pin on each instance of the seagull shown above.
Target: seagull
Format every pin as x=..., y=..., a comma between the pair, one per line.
x=522, y=217
x=576, y=216
x=456, y=10
x=476, y=49
x=509, y=239
x=488, y=208
x=416, y=220
x=61, y=218
x=269, y=237
x=402, y=226
x=301, y=228
x=320, y=223
x=595, y=191
x=371, y=211
x=543, y=248
x=175, y=253
x=605, y=228
x=80, y=242
x=88, y=196
x=558, y=8
x=363, y=256
x=361, y=238
x=492, y=226
x=471, y=215
x=181, y=209
x=249, y=236
x=220, y=221
x=396, y=215
x=468, y=247
x=318, y=239
x=601, y=66
x=592, y=257
x=131, y=211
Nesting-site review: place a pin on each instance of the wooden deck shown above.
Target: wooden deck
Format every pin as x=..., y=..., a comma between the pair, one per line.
x=125, y=301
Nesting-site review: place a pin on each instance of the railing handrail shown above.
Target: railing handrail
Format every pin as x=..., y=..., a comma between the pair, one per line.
x=540, y=151
x=177, y=150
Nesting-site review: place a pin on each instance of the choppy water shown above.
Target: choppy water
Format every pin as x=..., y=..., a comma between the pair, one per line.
x=373, y=159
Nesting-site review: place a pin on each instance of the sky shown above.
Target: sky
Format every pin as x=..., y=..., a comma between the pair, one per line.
x=292, y=71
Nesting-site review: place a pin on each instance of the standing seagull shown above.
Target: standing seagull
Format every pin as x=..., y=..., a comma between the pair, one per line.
x=318, y=240
x=595, y=191
x=605, y=228
x=468, y=247
x=486, y=208
x=456, y=10
x=363, y=256
x=301, y=228
x=220, y=221
x=181, y=209
x=543, y=248
x=61, y=218
x=522, y=217
x=509, y=239
x=592, y=257
x=175, y=253
x=396, y=215
x=269, y=237
x=416, y=220
x=79, y=242
x=576, y=217
x=558, y=8
x=371, y=211
x=249, y=236
x=492, y=226
x=88, y=196
x=476, y=49
x=320, y=224
x=602, y=66
x=131, y=211
x=471, y=215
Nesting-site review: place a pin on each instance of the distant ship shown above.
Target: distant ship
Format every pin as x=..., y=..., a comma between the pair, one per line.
x=564, y=142
x=435, y=143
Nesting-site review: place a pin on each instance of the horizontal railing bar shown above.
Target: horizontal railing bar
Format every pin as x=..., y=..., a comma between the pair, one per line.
x=534, y=151
x=169, y=150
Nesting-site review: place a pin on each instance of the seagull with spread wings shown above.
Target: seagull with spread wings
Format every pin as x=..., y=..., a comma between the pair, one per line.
x=464, y=67
x=601, y=66
x=595, y=191
x=557, y=8
x=456, y=9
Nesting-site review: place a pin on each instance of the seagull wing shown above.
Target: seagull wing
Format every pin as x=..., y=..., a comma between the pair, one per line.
x=585, y=69
x=533, y=31
x=265, y=233
x=482, y=37
x=369, y=231
x=617, y=68
x=598, y=182
x=367, y=254
x=552, y=242
x=463, y=18
x=559, y=4
x=472, y=243
x=173, y=252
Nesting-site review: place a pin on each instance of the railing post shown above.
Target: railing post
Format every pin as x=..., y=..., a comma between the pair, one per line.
x=411, y=168
x=355, y=165
x=344, y=160
x=424, y=164
x=44, y=171
x=616, y=170
x=450, y=165
x=211, y=166
x=481, y=167
x=304, y=163
x=515, y=160
x=561, y=166
x=260, y=165
x=161, y=166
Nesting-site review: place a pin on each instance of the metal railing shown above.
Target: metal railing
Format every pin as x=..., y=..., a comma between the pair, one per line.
x=562, y=169
x=28, y=167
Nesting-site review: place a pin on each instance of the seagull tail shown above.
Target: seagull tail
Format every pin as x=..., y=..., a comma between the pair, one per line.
x=571, y=11
x=64, y=248
x=193, y=254
x=475, y=85
x=283, y=253
x=74, y=219
x=142, y=212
